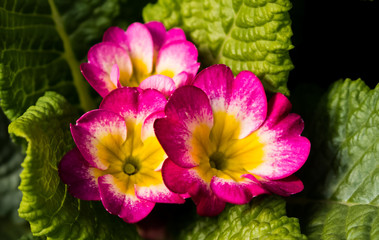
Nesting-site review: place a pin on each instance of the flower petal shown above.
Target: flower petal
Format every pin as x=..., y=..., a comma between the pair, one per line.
x=231, y=191
x=207, y=203
x=175, y=34
x=141, y=48
x=176, y=57
x=285, y=151
x=98, y=135
x=217, y=82
x=187, y=109
x=161, y=83
x=115, y=35
x=80, y=177
x=148, y=125
x=248, y=102
x=98, y=79
x=106, y=54
x=131, y=103
x=284, y=187
x=130, y=208
x=177, y=179
x=158, y=194
x=158, y=33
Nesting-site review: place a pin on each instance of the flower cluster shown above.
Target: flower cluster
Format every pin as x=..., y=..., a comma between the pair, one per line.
x=216, y=139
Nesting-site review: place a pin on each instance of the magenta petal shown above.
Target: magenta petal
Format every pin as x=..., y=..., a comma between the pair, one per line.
x=158, y=33
x=131, y=103
x=141, y=47
x=284, y=187
x=176, y=57
x=181, y=79
x=76, y=172
x=231, y=191
x=148, y=125
x=207, y=203
x=175, y=34
x=217, y=82
x=248, y=102
x=161, y=83
x=115, y=35
x=158, y=194
x=187, y=109
x=177, y=179
x=91, y=127
x=98, y=79
x=135, y=209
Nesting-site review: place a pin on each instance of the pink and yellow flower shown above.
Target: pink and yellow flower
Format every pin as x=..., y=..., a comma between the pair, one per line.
x=145, y=55
x=118, y=158
x=225, y=143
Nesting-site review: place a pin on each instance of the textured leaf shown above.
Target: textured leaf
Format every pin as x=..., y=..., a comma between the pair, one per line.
x=264, y=218
x=46, y=204
x=342, y=173
x=42, y=43
x=243, y=34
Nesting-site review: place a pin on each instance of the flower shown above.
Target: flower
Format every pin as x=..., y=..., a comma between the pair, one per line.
x=133, y=57
x=118, y=158
x=225, y=143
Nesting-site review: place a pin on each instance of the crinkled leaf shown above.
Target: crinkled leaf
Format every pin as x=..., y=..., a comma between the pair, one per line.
x=42, y=43
x=342, y=173
x=10, y=168
x=46, y=204
x=263, y=218
x=243, y=34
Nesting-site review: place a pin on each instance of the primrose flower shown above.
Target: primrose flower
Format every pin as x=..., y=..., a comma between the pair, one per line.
x=226, y=144
x=118, y=158
x=144, y=55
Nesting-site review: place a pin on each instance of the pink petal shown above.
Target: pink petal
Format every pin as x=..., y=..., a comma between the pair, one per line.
x=187, y=109
x=217, y=82
x=183, y=180
x=181, y=79
x=161, y=83
x=115, y=35
x=207, y=203
x=284, y=187
x=231, y=191
x=158, y=33
x=248, y=102
x=285, y=151
x=158, y=194
x=177, y=179
x=175, y=34
x=115, y=75
x=128, y=207
x=98, y=79
x=148, y=125
x=106, y=54
x=131, y=103
x=176, y=57
x=89, y=130
x=76, y=172
x=141, y=47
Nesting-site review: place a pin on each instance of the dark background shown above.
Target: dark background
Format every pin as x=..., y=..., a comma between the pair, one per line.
x=334, y=40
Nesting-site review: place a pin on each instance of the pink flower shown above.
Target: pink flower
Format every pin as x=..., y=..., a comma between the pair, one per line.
x=134, y=57
x=225, y=143
x=118, y=158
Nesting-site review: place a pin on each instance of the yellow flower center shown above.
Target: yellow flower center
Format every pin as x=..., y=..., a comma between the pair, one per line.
x=131, y=162
x=219, y=152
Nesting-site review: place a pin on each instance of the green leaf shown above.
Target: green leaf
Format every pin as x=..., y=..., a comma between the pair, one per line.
x=245, y=35
x=264, y=218
x=46, y=204
x=41, y=48
x=342, y=173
